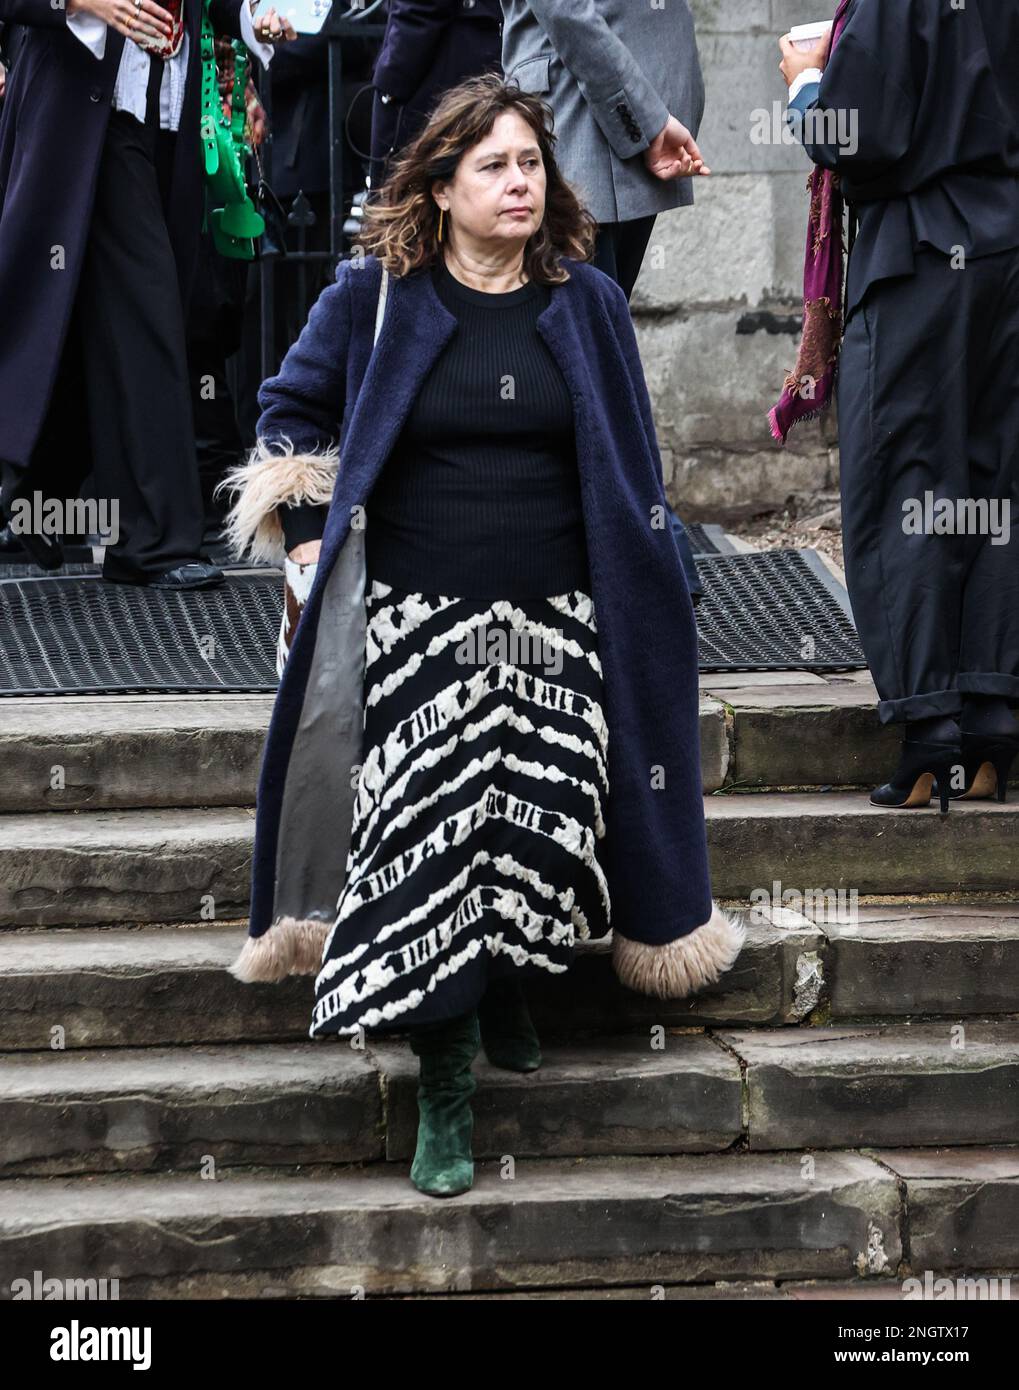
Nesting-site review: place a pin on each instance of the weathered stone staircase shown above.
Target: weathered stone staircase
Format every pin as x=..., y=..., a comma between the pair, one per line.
x=840, y=1111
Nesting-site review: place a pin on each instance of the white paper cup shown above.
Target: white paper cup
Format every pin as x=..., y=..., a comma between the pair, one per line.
x=807, y=36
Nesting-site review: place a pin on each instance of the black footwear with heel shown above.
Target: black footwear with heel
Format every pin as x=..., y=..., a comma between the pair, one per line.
x=924, y=765
x=987, y=761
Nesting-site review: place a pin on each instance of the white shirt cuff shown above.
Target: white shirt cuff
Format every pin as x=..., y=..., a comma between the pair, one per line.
x=264, y=51
x=804, y=79
x=90, y=30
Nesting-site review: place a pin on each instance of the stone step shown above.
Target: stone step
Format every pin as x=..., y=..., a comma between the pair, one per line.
x=115, y=752
x=980, y=1284
x=161, y=1108
x=758, y=730
x=535, y=1223
x=90, y=753
x=953, y=959
x=865, y=1221
x=963, y=1207
x=125, y=866
x=325, y=1102
x=193, y=865
x=920, y=1084
x=87, y=988
x=797, y=729
x=815, y=841
x=159, y=986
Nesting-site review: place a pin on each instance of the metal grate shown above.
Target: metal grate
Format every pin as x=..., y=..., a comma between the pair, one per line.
x=707, y=539
x=84, y=636
x=774, y=610
x=26, y=570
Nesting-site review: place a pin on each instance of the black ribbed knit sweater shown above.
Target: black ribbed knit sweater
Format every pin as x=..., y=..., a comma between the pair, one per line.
x=480, y=496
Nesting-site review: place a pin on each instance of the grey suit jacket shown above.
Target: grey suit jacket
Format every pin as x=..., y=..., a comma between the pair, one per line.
x=612, y=71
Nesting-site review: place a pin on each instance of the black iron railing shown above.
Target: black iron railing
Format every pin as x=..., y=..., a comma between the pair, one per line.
x=344, y=23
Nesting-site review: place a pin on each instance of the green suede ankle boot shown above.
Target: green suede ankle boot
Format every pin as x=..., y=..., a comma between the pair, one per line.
x=507, y=1033
x=443, y=1163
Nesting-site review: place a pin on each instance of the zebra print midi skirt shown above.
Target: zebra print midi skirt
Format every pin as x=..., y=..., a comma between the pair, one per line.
x=479, y=822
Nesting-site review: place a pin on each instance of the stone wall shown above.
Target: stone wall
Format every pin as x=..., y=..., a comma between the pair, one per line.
x=718, y=303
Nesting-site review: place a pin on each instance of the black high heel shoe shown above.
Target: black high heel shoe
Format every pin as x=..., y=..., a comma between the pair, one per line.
x=987, y=761
x=922, y=766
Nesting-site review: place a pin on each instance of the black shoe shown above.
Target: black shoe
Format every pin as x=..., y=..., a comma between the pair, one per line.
x=923, y=765
x=44, y=551
x=193, y=574
x=987, y=760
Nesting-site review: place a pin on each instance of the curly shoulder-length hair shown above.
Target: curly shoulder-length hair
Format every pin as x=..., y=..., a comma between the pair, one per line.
x=401, y=221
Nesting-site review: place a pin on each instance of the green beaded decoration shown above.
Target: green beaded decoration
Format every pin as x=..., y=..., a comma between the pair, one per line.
x=233, y=218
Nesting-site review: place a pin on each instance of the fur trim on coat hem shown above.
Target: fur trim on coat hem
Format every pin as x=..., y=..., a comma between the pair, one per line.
x=683, y=966
x=271, y=476
x=291, y=946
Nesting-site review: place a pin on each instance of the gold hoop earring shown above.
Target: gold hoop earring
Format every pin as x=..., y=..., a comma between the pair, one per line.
x=442, y=213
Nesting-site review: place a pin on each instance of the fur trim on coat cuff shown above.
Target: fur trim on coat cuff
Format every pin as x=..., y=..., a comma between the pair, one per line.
x=683, y=966
x=291, y=946
x=271, y=476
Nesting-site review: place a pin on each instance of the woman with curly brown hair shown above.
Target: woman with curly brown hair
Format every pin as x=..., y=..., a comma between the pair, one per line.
x=498, y=618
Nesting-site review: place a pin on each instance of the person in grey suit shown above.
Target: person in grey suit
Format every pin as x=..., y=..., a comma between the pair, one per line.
x=624, y=81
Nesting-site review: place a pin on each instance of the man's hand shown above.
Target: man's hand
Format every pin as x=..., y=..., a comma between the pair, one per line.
x=3, y=79
x=269, y=28
x=673, y=153
x=132, y=18
x=796, y=60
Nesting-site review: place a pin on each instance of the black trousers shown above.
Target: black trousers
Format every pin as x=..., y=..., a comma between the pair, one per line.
x=126, y=358
x=214, y=333
x=290, y=312
x=619, y=249
x=929, y=404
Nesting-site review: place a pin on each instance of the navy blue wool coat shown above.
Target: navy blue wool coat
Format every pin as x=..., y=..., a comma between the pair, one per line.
x=332, y=389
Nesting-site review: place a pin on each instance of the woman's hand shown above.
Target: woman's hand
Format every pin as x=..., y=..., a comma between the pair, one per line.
x=270, y=28
x=673, y=153
x=132, y=18
x=796, y=60
x=306, y=553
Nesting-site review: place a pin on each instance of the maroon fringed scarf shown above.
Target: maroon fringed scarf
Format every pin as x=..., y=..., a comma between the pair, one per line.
x=808, y=388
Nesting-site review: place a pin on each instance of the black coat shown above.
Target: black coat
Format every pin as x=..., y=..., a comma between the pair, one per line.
x=52, y=130
x=300, y=116
x=429, y=46
x=926, y=139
